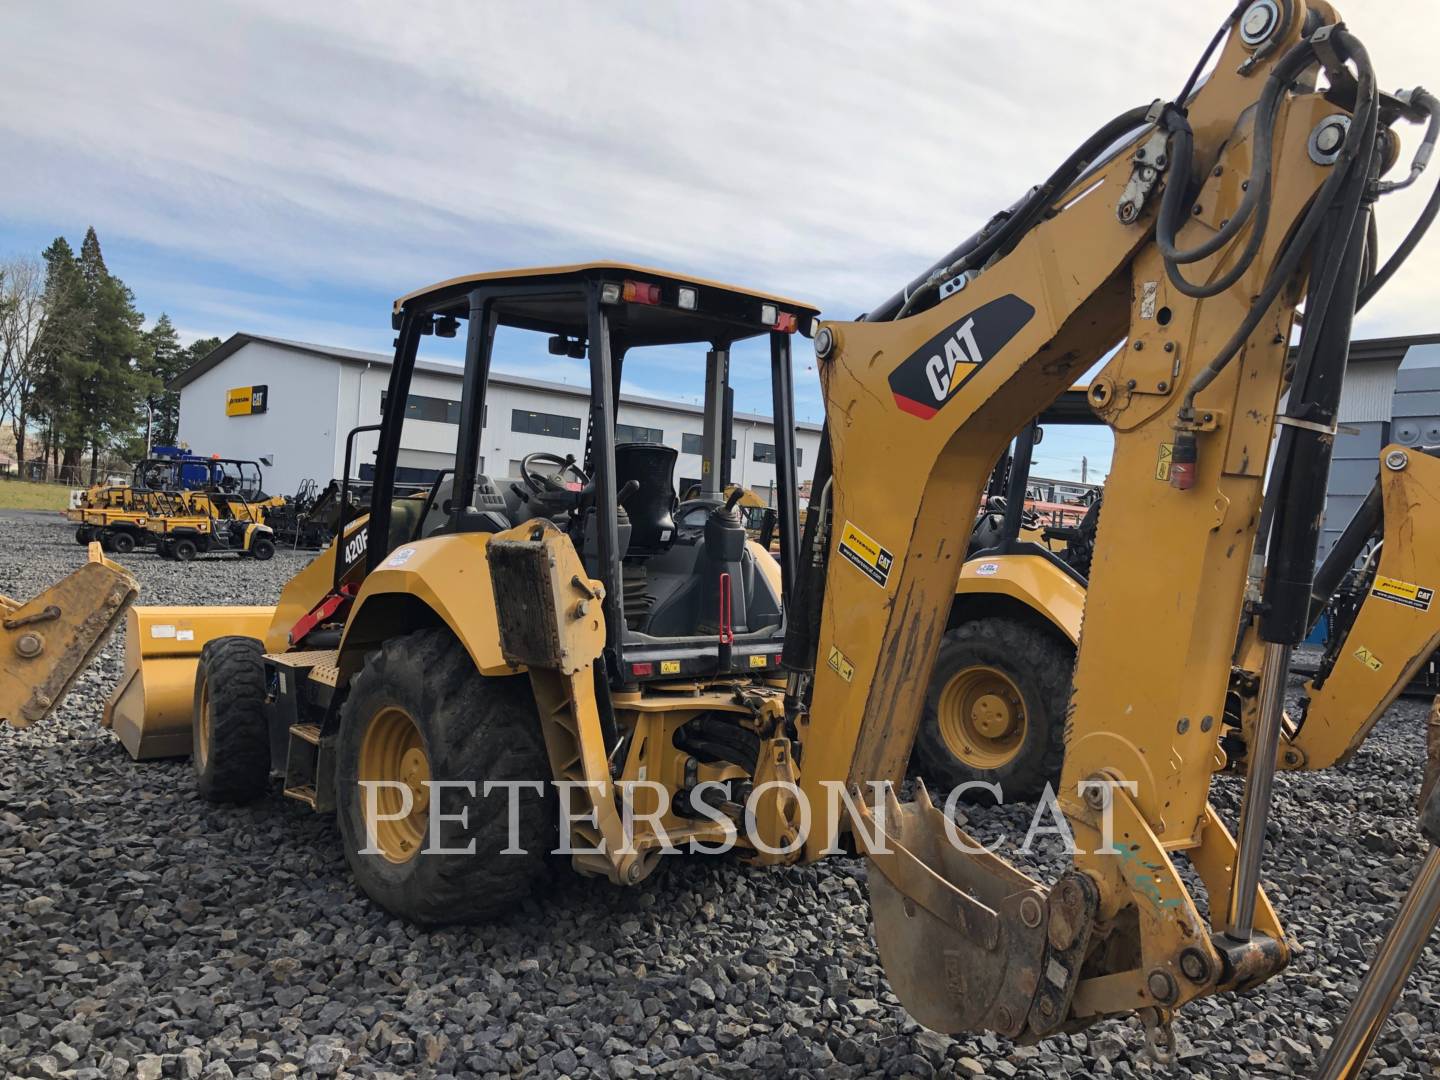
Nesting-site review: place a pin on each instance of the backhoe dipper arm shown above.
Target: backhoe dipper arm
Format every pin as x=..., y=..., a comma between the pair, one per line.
x=1396, y=628
x=918, y=409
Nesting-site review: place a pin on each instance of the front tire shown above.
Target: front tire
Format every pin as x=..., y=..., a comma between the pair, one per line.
x=185, y=549
x=420, y=711
x=262, y=548
x=82, y=535
x=231, y=736
x=123, y=543
x=995, y=709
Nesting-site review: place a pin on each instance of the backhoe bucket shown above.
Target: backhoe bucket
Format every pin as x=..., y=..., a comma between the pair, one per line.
x=968, y=942
x=46, y=641
x=151, y=707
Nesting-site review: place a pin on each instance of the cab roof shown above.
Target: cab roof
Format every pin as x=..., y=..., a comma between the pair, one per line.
x=721, y=312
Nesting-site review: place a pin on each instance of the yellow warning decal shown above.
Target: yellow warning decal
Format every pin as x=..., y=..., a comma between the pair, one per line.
x=866, y=554
x=1369, y=659
x=758, y=660
x=1402, y=592
x=669, y=667
x=1163, y=461
x=840, y=665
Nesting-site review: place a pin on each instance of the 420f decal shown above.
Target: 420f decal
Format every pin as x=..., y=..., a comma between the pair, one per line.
x=931, y=375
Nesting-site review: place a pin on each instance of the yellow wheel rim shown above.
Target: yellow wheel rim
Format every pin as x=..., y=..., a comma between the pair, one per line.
x=393, y=750
x=202, y=745
x=982, y=717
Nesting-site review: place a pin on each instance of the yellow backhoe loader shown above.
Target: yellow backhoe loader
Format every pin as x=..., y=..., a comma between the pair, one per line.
x=995, y=710
x=445, y=657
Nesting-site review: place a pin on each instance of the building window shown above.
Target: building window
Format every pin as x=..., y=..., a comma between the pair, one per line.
x=419, y=407
x=637, y=433
x=539, y=423
x=766, y=452
x=694, y=444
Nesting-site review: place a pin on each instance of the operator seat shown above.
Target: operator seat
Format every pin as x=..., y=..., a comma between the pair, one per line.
x=651, y=506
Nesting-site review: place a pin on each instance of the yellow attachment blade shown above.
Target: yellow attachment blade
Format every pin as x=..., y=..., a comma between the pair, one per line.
x=151, y=707
x=47, y=640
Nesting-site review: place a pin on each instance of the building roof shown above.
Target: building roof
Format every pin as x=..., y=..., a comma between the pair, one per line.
x=237, y=341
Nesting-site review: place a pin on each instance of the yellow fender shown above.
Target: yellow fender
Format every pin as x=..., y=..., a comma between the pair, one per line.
x=1033, y=581
x=445, y=577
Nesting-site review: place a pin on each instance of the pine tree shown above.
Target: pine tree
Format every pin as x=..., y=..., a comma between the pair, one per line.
x=110, y=400
x=165, y=360
x=62, y=366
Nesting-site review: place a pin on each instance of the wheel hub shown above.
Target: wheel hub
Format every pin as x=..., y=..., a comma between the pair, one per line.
x=982, y=717
x=393, y=753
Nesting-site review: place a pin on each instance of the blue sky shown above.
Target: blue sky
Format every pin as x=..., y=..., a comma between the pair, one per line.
x=290, y=168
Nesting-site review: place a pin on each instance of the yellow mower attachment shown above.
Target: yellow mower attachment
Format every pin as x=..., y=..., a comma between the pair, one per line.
x=151, y=707
x=45, y=641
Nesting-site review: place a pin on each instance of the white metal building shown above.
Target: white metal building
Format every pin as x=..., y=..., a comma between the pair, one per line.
x=291, y=404
x=1391, y=392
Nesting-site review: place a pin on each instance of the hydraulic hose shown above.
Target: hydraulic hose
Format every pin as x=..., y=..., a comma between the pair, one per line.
x=990, y=242
x=1361, y=135
x=1427, y=101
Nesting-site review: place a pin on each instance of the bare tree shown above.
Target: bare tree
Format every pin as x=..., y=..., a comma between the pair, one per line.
x=22, y=318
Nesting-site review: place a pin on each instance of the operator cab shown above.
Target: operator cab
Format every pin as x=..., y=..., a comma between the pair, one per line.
x=687, y=592
x=1016, y=516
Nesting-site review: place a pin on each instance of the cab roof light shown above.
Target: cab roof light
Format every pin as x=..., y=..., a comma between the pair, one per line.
x=688, y=298
x=785, y=323
x=610, y=293
x=641, y=292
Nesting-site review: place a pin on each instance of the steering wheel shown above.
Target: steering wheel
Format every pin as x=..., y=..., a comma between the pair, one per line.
x=543, y=484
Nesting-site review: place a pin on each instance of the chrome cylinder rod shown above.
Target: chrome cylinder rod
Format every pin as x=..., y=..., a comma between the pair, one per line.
x=1398, y=953
x=1259, y=782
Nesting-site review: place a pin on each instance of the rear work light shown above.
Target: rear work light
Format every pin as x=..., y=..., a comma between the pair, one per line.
x=641, y=292
x=773, y=317
x=688, y=298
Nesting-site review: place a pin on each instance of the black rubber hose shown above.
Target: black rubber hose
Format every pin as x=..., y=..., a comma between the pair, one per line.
x=1422, y=223
x=1029, y=211
x=1364, y=121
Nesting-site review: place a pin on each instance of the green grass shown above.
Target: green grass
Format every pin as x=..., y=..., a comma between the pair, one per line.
x=23, y=495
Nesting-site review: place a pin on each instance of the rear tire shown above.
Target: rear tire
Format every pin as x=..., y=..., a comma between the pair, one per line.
x=82, y=534
x=987, y=670
x=185, y=550
x=230, y=732
x=122, y=543
x=165, y=549
x=419, y=710
x=262, y=548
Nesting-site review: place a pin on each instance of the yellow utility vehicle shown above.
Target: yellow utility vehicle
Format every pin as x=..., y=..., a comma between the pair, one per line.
x=440, y=660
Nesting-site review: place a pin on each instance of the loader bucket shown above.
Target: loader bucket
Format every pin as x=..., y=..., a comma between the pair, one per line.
x=47, y=640
x=150, y=708
x=968, y=942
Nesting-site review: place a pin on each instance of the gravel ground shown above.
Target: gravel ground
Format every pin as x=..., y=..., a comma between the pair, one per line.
x=145, y=933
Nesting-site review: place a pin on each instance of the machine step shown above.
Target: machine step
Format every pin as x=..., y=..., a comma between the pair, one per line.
x=309, y=732
x=305, y=794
